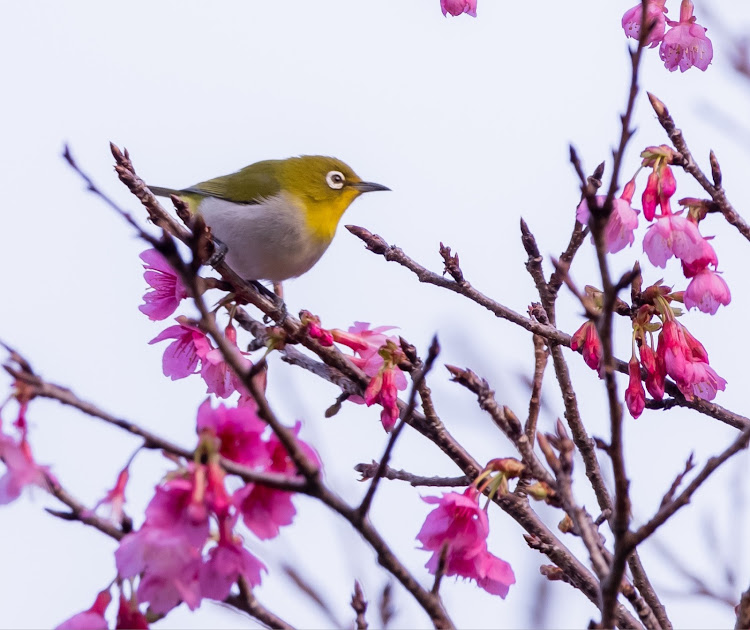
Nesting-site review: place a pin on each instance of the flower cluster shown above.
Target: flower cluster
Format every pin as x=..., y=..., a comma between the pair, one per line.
x=670, y=234
x=192, y=352
x=172, y=554
x=378, y=356
x=683, y=46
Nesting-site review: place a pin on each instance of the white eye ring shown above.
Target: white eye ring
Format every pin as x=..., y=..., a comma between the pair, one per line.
x=335, y=179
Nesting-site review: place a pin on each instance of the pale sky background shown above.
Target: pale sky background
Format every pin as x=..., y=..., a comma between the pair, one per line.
x=469, y=122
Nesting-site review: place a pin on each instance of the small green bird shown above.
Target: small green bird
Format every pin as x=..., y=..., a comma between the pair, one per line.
x=276, y=217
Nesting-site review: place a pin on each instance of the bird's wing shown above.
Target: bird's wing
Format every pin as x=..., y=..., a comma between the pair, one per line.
x=252, y=184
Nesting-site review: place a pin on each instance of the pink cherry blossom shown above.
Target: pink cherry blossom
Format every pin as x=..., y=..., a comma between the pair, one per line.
x=457, y=520
x=635, y=397
x=364, y=341
x=129, y=617
x=383, y=389
x=314, y=328
x=705, y=256
x=685, y=359
x=220, y=378
x=459, y=524
x=587, y=339
x=631, y=21
x=707, y=291
x=457, y=7
x=91, y=619
x=182, y=356
x=620, y=226
x=265, y=510
x=672, y=235
x=655, y=371
x=169, y=566
x=239, y=431
x=226, y=563
x=167, y=288
x=115, y=498
x=21, y=469
x=685, y=45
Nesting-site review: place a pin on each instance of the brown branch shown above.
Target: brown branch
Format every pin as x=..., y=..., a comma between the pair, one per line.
x=715, y=190
x=247, y=602
x=368, y=471
x=417, y=379
x=541, y=354
x=669, y=508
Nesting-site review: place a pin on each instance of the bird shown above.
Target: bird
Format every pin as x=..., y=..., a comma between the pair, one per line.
x=275, y=217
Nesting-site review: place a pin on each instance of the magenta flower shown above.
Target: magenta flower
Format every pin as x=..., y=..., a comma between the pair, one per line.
x=21, y=471
x=686, y=361
x=457, y=7
x=362, y=340
x=587, y=339
x=655, y=371
x=167, y=288
x=383, y=389
x=707, y=291
x=685, y=45
x=169, y=566
x=631, y=22
x=265, y=510
x=238, y=430
x=622, y=221
x=129, y=616
x=635, y=397
x=459, y=524
x=219, y=376
x=227, y=562
x=182, y=356
x=115, y=498
x=673, y=235
x=91, y=619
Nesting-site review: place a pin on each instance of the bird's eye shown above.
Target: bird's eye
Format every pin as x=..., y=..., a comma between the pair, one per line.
x=335, y=179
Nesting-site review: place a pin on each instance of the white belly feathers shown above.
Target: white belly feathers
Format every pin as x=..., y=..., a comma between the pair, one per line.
x=266, y=241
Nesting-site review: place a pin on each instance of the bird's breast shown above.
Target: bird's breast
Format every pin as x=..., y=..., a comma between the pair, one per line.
x=269, y=240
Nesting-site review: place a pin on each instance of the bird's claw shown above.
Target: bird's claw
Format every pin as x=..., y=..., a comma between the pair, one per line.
x=219, y=253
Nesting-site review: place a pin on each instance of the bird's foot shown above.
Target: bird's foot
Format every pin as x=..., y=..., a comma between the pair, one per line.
x=280, y=306
x=219, y=253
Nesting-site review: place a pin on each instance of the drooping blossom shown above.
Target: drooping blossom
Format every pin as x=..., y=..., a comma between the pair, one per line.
x=168, y=564
x=227, y=562
x=661, y=184
x=91, y=619
x=685, y=44
x=238, y=429
x=655, y=371
x=586, y=338
x=707, y=291
x=460, y=525
x=655, y=10
x=686, y=361
x=265, y=510
x=635, y=397
x=457, y=7
x=115, y=498
x=622, y=221
x=220, y=378
x=384, y=386
x=378, y=356
x=166, y=551
x=704, y=256
x=167, y=289
x=129, y=616
x=21, y=468
x=673, y=235
x=182, y=356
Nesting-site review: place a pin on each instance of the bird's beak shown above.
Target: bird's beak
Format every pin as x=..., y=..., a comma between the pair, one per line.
x=368, y=186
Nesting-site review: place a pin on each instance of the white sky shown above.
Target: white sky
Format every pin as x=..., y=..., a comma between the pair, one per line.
x=468, y=121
